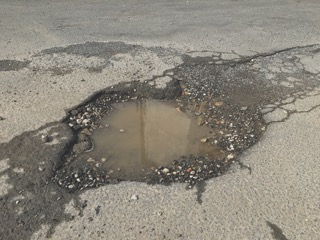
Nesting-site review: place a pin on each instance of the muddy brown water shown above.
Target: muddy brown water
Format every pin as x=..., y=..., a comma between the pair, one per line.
x=138, y=136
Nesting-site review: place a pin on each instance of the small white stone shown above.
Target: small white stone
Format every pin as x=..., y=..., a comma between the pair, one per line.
x=86, y=121
x=121, y=130
x=203, y=140
x=103, y=159
x=134, y=197
x=165, y=170
x=230, y=156
x=159, y=213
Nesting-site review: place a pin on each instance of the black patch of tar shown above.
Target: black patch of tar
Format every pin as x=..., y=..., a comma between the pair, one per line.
x=94, y=49
x=276, y=232
x=32, y=199
x=97, y=209
x=12, y=65
x=200, y=186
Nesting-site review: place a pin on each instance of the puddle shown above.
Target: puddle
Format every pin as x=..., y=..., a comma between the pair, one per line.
x=145, y=134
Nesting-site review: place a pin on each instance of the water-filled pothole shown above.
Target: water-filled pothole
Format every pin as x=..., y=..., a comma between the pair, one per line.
x=181, y=137
x=142, y=135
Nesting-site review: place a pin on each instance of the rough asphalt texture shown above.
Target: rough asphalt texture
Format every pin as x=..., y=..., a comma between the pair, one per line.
x=47, y=67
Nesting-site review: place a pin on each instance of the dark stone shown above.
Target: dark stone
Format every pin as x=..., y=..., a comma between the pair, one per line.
x=74, y=112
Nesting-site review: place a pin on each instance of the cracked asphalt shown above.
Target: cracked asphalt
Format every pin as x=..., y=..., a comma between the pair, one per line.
x=250, y=54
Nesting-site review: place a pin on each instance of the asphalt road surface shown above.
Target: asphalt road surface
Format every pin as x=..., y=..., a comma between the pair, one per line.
x=56, y=54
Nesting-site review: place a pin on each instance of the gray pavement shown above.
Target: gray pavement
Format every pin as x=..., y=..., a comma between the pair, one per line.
x=43, y=73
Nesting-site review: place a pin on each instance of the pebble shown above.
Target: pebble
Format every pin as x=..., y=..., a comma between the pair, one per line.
x=103, y=159
x=90, y=160
x=203, y=140
x=41, y=169
x=86, y=121
x=201, y=120
x=218, y=104
x=74, y=112
x=231, y=147
x=121, y=130
x=45, y=138
x=178, y=109
x=159, y=213
x=134, y=197
x=87, y=132
x=165, y=170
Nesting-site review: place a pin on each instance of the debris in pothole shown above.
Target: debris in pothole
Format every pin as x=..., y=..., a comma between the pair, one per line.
x=189, y=170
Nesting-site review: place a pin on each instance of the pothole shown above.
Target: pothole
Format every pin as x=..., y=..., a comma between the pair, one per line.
x=140, y=133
